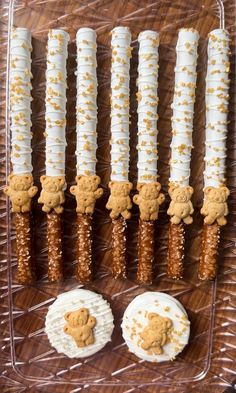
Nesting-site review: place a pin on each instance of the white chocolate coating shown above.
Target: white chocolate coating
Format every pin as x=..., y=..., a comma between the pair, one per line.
x=56, y=102
x=217, y=87
x=86, y=105
x=183, y=106
x=147, y=106
x=135, y=320
x=73, y=301
x=121, y=53
x=20, y=100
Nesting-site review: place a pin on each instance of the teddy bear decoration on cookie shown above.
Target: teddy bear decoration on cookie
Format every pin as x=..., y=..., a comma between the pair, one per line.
x=181, y=206
x=156, y=334
x=80, y=326
x=149, y=199
x=119, y=201
x=215, y=207
x=52, y=195
x=21, y=191
x=86, y=192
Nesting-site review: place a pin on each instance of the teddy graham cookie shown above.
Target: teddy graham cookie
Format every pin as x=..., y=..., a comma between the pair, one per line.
x=79, y=323
x=155, y=327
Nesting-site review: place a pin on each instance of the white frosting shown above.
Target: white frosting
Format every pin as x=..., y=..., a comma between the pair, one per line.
x=72, y=301
x=20, y=100
x=56, y=102
x=183, y=106
x=147, y=106
x=135, y=320
x=86, y=106
x=121, y=53
x=217, y=86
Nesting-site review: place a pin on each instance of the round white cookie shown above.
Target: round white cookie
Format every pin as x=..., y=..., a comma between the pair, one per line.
x=155, y=327
x=79, y=323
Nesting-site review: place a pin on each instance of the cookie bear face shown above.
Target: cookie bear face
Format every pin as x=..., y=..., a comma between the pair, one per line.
x=180, y=194
x=77, y=318
x=218, y=195
x=52, y=184
x=88, y=183
x=149, y=191
x=120, y=188
x=158, y=322
x=20, y=182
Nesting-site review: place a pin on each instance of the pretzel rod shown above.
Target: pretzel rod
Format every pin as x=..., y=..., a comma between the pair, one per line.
x=25, y=271
x=119, y=248
x=84, y=248
x=54, y=230
x=175, y=251
x=149, y=198
x=53, y=183
x=20, y=187
x=86, y=190
x=145, y=251
x=215, y=207
x=119, y=201
x=181, y=208
x=210, y=241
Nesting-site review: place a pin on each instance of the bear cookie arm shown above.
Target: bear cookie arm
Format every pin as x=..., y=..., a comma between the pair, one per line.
x=52, y=195
x=20, y=191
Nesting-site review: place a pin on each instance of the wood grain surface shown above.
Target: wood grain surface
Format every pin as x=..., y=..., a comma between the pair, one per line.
x=28, y=363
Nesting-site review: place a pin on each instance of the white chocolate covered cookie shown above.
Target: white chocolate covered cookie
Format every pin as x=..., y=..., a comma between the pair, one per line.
x=79, y=323
x=155, y=327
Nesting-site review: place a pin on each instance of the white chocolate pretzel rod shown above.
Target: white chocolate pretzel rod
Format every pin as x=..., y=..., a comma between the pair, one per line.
x=53, y=183
x=181, y=208
x=119, y=201
x=149, y=197
x=215, y=207
x=20, y=188
x=86, y=191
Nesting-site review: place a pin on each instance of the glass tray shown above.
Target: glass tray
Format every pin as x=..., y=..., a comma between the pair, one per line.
x=32, y=358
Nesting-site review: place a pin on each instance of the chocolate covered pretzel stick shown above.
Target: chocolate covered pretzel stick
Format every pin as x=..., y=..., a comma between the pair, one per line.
x=215, y=193
x=119, y=201
x=86, y=190
x=20, y=187
x=181, y=208
x=149, y=197
x=53, y=183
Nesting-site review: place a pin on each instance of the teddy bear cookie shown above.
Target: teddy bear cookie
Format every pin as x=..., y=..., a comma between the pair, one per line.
x=79, y=323
x=149, y=199
x=181, y=206
x=215, y=206
x=52, y=194
x=155, y=327
x=119, y=201
x=21, y=191
x=86, y=193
